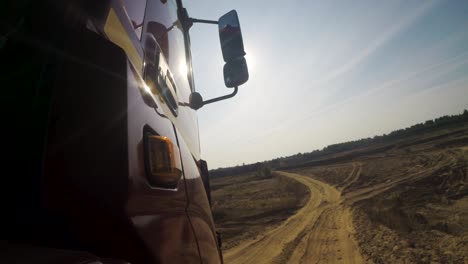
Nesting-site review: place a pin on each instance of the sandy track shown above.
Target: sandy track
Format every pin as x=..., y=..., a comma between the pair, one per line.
x=321, y=231
x=352, y=177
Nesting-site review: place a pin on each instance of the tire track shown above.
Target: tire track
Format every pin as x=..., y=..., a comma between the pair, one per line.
x=352, y=177
x=318, y=232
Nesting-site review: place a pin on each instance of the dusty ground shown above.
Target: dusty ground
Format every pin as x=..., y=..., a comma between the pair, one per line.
x=408, y=204
x=320, y=231
x=248, y=205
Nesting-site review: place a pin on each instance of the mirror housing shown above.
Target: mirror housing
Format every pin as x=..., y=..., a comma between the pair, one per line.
x=230, y=36
x=232, y=46
x=235, y=72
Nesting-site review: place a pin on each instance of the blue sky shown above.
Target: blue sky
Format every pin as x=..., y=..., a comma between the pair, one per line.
x=324, y=72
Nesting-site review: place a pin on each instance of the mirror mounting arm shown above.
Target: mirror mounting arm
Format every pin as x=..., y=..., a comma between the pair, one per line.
x=221, y=97
x=204, y=21
x=197, y=102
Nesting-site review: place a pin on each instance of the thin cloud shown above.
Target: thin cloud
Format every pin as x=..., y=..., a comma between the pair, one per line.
x=401, y=25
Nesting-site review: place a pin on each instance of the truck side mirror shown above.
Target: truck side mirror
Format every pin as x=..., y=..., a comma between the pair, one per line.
x=235, y=70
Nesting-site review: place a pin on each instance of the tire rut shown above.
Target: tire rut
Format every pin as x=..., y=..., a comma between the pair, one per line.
x=318, y=232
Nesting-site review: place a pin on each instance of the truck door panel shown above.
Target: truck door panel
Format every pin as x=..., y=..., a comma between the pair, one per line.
x=157, y=214
x=199, y=209
x=163, y=24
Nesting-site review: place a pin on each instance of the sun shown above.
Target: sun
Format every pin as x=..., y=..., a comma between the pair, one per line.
x=183, y=69
x=250, y=58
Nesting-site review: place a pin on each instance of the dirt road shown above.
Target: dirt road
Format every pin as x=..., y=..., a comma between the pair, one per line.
x=320, y=232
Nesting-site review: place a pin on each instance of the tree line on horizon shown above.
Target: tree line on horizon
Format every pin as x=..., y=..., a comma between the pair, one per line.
x=301, y=158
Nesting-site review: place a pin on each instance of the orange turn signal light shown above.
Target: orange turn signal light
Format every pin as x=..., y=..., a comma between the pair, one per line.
x=161, y=158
